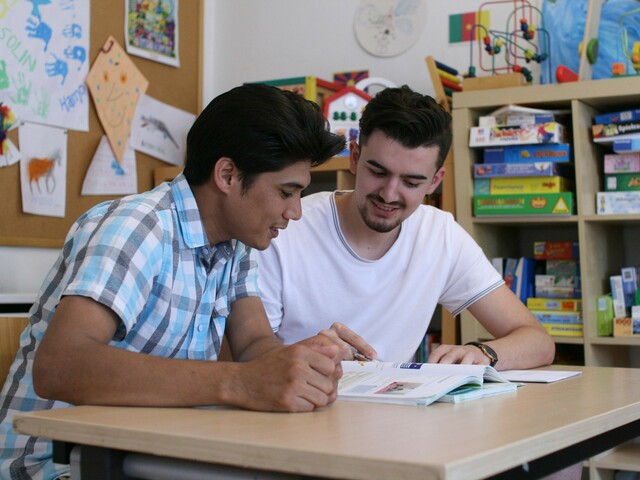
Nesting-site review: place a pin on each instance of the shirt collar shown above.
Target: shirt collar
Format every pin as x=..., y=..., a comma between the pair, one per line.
x=191, y=226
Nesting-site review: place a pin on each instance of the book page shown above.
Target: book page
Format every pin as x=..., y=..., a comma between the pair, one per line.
x=396, y=386
x=538, y=376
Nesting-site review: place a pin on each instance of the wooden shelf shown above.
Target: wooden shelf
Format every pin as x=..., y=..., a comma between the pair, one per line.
x=607, y=242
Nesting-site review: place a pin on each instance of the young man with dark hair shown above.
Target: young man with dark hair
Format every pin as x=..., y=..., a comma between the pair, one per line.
x=379, y=261
x=145, y=287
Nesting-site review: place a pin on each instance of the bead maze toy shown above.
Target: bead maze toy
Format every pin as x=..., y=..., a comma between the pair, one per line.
x=518, y=45
x=445, y=79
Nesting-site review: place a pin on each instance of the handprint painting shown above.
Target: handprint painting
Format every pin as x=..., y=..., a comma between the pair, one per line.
x=116, y=85
x=43, y=61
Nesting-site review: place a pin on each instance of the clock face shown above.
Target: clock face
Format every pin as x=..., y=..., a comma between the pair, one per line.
x=387, y=28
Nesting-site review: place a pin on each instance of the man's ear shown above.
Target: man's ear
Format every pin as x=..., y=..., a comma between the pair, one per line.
x=437, y=180
x=224, y=174
x=354, y=156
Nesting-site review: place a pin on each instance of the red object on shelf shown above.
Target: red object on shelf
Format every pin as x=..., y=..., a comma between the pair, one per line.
x=564, y=75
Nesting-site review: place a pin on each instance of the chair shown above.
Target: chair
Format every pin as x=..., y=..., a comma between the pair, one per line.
x=10, y=330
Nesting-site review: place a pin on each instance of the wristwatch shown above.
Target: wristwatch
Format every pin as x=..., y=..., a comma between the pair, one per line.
x=487, y=350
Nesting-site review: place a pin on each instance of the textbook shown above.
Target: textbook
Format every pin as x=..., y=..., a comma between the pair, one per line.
x=409, y=383
x=473, y=392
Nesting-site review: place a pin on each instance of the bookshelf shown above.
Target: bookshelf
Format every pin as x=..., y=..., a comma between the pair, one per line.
x=607, y=242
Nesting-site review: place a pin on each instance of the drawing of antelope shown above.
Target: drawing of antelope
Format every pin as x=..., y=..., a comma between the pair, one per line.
x=39, y=168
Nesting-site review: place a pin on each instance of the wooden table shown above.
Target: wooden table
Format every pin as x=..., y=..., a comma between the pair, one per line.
x=525, y=434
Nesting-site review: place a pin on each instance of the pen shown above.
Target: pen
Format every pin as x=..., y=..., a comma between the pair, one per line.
x=362, y=357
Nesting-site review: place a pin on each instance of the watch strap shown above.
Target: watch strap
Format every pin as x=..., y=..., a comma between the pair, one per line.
x=487, y=351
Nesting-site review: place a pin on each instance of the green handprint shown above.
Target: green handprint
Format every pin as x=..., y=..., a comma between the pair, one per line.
x=4, y=78
x=23, y=89
x=42, y=103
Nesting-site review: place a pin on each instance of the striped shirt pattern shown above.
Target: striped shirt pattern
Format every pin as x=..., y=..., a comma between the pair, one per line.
x=147, y=258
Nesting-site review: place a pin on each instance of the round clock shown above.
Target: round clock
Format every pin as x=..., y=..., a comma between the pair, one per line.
x=387, y=28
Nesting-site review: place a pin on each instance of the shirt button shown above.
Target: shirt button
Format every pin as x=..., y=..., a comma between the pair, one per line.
x=200, y=327
x=205, y=251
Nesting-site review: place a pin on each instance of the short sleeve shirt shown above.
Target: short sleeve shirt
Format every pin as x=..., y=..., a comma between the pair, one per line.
x=147, y=258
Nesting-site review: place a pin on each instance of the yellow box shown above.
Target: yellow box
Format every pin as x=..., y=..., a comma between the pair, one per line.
x=564, y=329
x=521, y=185
x=623, y=327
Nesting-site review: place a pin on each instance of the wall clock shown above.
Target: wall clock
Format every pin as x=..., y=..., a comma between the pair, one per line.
x=386, y=28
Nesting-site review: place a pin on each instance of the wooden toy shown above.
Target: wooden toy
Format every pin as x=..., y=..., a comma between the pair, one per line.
x=445, y=79
x=311, y=88
x=343, y=111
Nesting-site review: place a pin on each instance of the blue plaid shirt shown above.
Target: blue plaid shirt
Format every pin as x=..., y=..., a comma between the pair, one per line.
x=147, y=258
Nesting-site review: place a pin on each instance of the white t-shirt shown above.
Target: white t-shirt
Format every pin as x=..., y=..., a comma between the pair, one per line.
x=309, y=278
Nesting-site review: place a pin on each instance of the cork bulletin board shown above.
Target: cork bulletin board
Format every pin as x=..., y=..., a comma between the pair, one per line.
x=178, y=87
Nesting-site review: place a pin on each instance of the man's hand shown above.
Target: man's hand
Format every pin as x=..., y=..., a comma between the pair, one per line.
x=348, y=341
x=467, y=354
x=294, y=378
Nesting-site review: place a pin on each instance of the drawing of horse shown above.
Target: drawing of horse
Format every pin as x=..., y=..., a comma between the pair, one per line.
x=39, y=168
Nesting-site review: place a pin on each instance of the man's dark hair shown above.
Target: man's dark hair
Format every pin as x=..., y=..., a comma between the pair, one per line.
x=262, y=129
x=410, y=118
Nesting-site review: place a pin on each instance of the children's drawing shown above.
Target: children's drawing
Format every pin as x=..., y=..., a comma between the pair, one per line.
x=43, y=45
x=152, y=30
x=43, y=169
x=116, y=85
x=108, y=177
x=160, y=130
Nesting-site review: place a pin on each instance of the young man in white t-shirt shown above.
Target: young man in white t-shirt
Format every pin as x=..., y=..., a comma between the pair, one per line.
x=377, y=261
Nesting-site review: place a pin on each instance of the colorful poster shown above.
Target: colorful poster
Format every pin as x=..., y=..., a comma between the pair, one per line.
x=43, y=61
x=160, y=130
x=108, y=177
x=116, y=84
x=618, y=36
x=43, y=169
x=151, y=30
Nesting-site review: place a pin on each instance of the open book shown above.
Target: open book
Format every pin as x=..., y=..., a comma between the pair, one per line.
x=409, y=383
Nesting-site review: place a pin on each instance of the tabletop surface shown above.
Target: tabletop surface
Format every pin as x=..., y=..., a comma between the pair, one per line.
x=363, y=440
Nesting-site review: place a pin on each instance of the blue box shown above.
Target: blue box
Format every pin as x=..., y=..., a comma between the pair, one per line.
x=534, y=169
x=628, y=145
x=560, y=152
x=617, y=117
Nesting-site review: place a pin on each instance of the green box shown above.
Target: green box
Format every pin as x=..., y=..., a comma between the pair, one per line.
x=622, y=182
x=532, y=204
x=604, y=315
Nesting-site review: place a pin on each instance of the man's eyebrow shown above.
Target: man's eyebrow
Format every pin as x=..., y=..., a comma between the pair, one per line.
x=414, y=176
x=294, y=185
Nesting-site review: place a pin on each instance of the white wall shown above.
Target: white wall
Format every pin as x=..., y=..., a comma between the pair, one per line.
x=253, y=40
x=250, y=40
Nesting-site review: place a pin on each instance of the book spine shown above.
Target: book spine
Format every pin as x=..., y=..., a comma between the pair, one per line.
x=530, y=203
x=622, y=163
x=617, y=117
x=555, y=250
x=533, y=169
x=557, y=317
x=542, y=133
x=605, y=315
x=615, y=129
x=617, y=203
x=520, y=185
x=617, y=294
x=528, y=153
x=622, y=182
x=554, y=304
x=629, y=285
x=627, y=145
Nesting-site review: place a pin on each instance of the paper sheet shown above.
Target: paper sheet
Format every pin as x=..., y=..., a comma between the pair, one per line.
x=106, y=176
